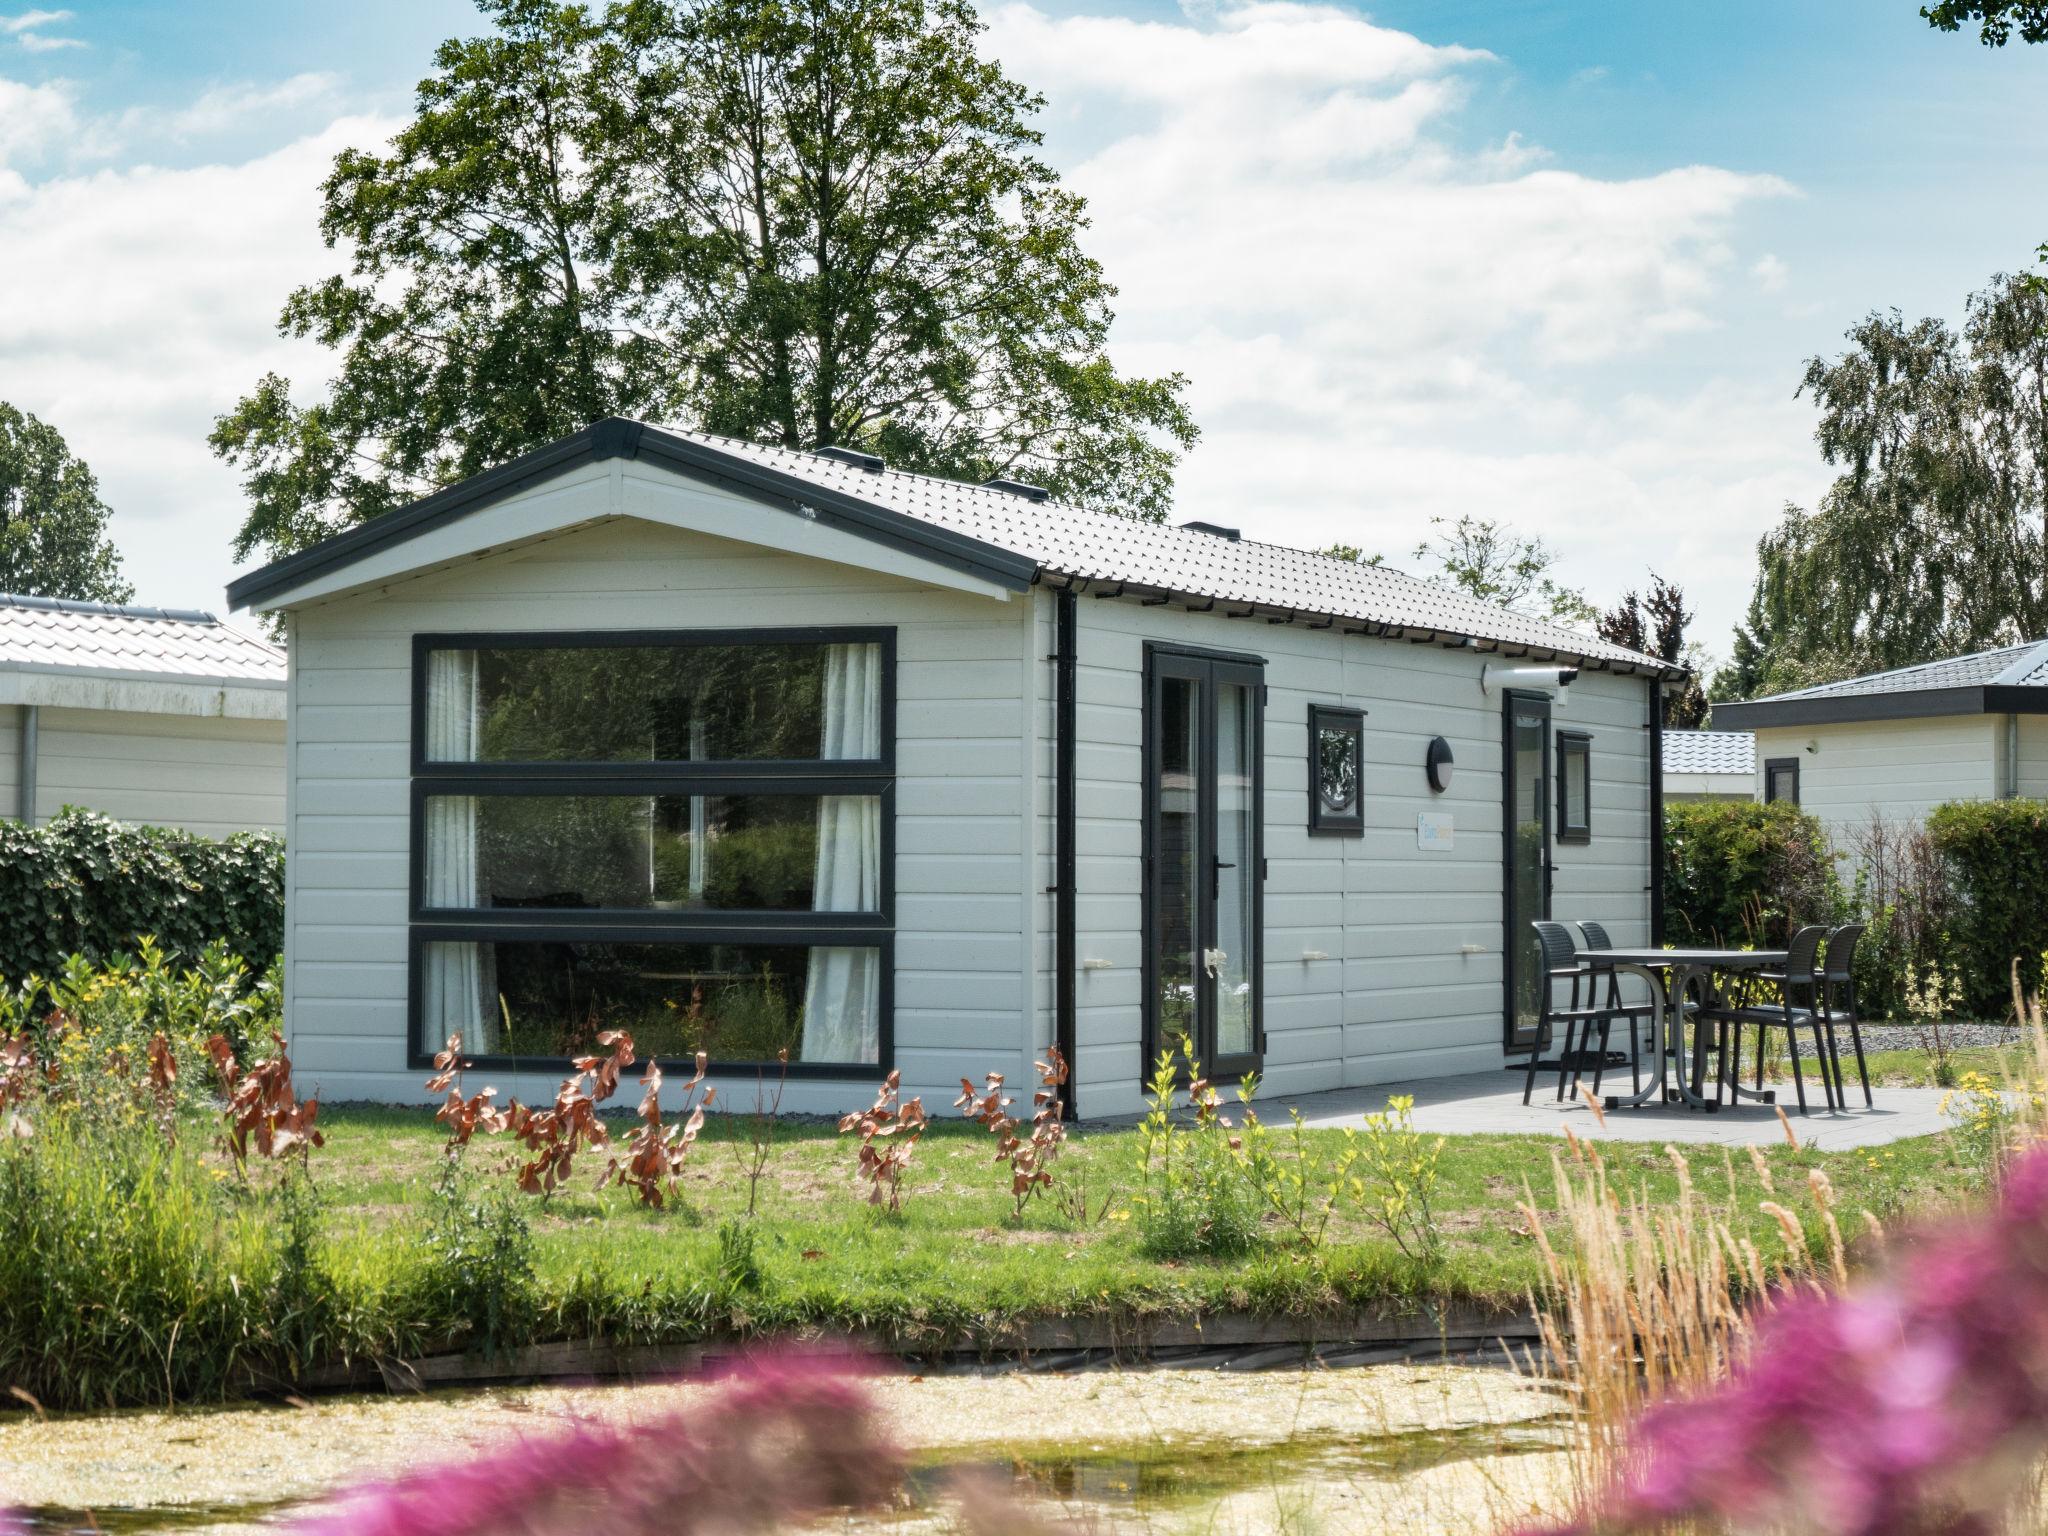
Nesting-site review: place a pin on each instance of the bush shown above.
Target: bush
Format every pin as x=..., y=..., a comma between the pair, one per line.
x=1905, y=896
x=85, y=884
x=1996, y=854
x=1739, y=873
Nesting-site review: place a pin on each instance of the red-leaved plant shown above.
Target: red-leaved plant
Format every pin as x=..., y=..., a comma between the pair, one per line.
x=889, y=1130
x=654, y=1158
x=1030, y=1157
x=464, y=1117
x=555, y=1136
x=163, y=1085
x=263, y=1109
x=779, y=1447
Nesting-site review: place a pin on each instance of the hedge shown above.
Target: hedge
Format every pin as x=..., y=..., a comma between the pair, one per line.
x=1737, y=873
x=85, y=884
x=1996, y=856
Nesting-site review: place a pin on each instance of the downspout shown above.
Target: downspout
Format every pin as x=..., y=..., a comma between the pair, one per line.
x=25, y=774
x=1656, y=709
x=1064, y=960
x=2012, y=757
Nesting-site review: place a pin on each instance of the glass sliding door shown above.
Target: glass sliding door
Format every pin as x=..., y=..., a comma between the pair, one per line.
x=1525, y=780
x=1202, y=906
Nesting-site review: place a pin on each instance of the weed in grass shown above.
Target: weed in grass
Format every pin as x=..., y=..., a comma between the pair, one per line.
x=473, y=1281
x=739, y=1264
x=1297, y=1189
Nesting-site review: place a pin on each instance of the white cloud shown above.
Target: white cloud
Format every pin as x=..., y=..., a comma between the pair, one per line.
x=141, y=303
x=226, y=106
x=33, y=119
x=1770, y=273
x=23, y=29
x=1381, y=325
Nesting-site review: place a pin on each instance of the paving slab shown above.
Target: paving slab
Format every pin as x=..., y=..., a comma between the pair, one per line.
x=1490, y=1104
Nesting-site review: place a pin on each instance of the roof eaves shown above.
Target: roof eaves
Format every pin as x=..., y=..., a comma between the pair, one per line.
x=1833, y=709
x=617, y=437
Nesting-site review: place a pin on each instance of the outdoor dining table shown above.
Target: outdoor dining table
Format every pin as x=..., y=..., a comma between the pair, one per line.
x=1669, y=972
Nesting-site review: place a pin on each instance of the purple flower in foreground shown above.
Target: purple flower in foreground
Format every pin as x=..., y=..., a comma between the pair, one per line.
x=1914, y=1404
x=781, y=1443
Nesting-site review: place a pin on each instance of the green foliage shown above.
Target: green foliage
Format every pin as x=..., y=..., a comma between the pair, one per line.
x=53, y=525
x=1655, y=625
x=1996, y=852
x=739, y=1262
x=1193, y=1197
x=1496, y=564
x=472, y=1277
x=1397, y=1180
x=799, y=225
x=1930, y=542
x=1996, y=19
x=85, y=884
x=1736, y=872
x=1297, y=1188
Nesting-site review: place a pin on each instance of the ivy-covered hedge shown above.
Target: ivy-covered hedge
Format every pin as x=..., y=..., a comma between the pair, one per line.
x=1996, y=854
x=1736, y=873
x=84, y=884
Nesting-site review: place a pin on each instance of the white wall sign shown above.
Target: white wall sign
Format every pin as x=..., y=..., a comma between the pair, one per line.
x=1433, y=831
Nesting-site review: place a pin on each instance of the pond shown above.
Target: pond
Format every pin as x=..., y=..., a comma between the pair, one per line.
x=1399, y=1448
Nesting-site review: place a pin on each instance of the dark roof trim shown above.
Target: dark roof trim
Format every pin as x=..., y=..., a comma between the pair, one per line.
x=1914, y=704
x=615, y=437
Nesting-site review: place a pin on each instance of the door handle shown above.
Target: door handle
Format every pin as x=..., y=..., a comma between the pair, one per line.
x=1213, y=961
x=1216, y=868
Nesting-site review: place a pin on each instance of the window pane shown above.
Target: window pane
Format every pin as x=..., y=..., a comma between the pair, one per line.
x=1179, y=788
x=1578, y=789
x=1236, y=808
x=714, y=853
x=1337, y=770
x=655, y=703
x=740, y=1002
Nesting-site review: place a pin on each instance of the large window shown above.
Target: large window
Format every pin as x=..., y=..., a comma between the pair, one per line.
x=683, y=835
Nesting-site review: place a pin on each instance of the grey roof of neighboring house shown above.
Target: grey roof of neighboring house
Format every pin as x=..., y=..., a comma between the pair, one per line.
x=2008, y=679
x=49, y=634
x=1709, y=752
x=1007, y=536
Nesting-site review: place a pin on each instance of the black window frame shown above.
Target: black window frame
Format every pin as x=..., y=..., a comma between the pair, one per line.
x=815, y=776
x=1772, y=766
x=1570, y=830
x=1321, y=822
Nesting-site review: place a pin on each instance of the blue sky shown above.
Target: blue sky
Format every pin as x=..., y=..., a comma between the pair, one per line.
x=1556, y=263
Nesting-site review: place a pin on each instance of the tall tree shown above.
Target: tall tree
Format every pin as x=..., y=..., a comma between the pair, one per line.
x=1996, y=19
x=1656, y=625
x=1493, y=562
x=1931, y=541
x=53, y=525
x=795, y=221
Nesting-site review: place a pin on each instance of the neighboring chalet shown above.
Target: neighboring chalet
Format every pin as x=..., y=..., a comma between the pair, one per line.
x=1897, y=744
x=1709, y=765
x=744, y=749
x=160, y=716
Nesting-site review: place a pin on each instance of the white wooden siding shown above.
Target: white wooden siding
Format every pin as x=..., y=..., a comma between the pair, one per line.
x=205, y=774
x=1399, y=996
x=964, y=886
x=1901, y=769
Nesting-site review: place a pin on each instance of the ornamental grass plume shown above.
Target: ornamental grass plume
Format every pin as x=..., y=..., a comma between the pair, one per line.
x=782, y=1443
x=1915, y=1402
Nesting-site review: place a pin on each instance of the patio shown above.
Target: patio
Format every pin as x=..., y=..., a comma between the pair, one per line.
x=1490, y=1104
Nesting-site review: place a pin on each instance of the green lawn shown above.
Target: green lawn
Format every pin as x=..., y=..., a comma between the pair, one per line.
x=1915, y=1069
x=954, y=1264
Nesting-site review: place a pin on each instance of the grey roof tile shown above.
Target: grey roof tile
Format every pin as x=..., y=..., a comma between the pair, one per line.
x=1709, y=752
x=1976, y=670
x=58, y=634
x=1102, y=547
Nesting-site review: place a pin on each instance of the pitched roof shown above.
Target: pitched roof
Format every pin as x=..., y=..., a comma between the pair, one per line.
x=49, y=634
x=1012, y=536
x=1709, y=752
x=2008, y=679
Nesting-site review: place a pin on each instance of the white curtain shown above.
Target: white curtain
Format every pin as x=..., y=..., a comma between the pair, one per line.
x=843, y=991
x=458, y=987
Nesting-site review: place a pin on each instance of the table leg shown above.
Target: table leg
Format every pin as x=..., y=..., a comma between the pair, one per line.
x=1689, y=1082
x=1654, y=1087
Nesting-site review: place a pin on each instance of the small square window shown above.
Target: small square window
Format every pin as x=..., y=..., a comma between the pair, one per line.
x=1574, y=787
x=1336, y=771
x=1781, y=780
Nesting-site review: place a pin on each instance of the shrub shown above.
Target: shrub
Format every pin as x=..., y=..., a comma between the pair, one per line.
x=84, y=884
x=1193, y=1194
x=1904, y=896
x=1996, y=854
x=1737, y=873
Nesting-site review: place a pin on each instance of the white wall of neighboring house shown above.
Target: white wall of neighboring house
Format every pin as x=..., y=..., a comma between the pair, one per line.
x=1710, y=786
x=1900, y=769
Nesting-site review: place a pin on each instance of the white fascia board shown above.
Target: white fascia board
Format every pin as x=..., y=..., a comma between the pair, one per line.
x=143, y=693
x=620, y=488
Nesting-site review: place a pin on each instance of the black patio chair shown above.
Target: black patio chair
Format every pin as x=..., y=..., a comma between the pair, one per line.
x=1561, y=964
x=1838, y=1006
x=1800, y=979
x=1632, y=1014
